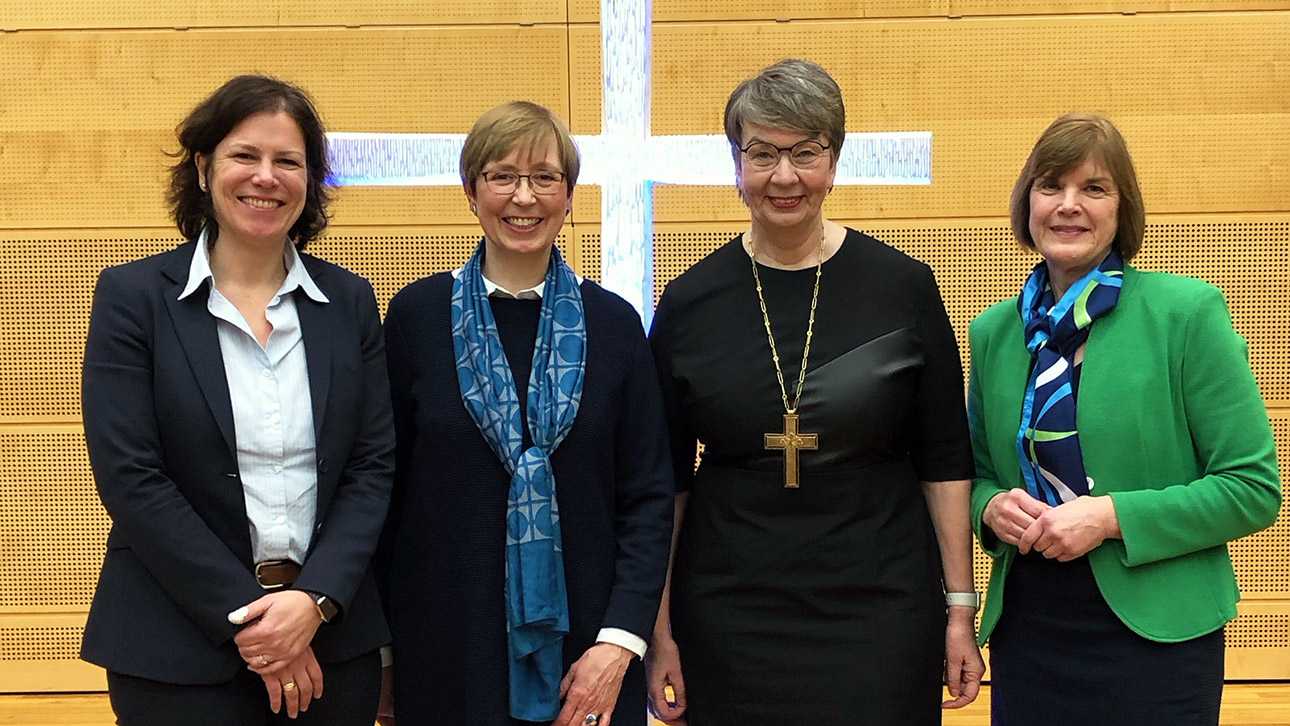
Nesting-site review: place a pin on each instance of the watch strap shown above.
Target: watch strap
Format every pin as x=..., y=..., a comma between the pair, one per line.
x=964, y=599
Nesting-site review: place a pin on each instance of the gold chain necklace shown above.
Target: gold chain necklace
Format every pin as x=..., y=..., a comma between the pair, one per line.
x=790, y=441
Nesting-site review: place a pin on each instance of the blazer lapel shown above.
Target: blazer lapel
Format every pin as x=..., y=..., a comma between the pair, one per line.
x=198, y=336
x=314, y=330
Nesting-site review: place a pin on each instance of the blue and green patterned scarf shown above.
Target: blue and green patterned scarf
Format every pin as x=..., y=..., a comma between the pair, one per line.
x=1048, y=440
x=537, y=605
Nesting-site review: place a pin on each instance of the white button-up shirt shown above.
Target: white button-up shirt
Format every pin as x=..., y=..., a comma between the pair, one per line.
x=273, y=419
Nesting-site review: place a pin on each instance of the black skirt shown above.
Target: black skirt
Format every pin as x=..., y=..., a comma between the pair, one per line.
x=1059, y=655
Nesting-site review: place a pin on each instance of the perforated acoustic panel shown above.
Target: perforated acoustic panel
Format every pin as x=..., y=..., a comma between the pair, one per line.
x=52, y=526
x=1262, y=560
x=48, y=285
x=978, y=263
x=85, y=117
x=49, y=281
x=1193, y=93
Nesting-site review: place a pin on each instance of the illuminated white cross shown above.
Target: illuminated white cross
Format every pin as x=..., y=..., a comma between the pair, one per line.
x=625, y=160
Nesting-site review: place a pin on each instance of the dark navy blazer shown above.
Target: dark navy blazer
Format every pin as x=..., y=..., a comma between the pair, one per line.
x=159, y=429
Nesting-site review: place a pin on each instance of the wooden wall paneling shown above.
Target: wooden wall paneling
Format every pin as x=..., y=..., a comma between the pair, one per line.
x=978, y=263
x=1181, y=168
x=53, y=528
x=85, y=117
x=585, y=107
x=688, y=10
x=39, y=652
x=109, y=14
x=49, y=278
x=1193, y=95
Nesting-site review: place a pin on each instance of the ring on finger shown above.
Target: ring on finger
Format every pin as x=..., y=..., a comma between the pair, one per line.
x=289, y=686
x=263, y=660
x=591, y=719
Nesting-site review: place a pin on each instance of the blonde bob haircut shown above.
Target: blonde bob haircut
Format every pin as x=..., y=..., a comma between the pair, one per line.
x=1066, y=144
x=513, y=125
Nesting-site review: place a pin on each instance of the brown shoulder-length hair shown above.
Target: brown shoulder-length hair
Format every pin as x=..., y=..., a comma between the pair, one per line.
x=213, y=119
x=1068, y=142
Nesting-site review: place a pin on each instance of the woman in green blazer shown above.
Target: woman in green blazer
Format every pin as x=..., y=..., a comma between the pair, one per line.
x=1121, y=443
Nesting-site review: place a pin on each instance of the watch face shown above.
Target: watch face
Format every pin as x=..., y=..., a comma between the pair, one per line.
x=326, y=608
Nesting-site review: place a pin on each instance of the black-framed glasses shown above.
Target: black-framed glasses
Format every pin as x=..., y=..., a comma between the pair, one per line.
x=540, y=182
x=764, y=156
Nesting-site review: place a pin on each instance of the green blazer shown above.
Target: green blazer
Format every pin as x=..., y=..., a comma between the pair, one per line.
x=1173, y=429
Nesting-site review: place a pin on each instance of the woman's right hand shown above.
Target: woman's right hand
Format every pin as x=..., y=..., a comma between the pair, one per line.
x=1011, y=513
x=663, y=669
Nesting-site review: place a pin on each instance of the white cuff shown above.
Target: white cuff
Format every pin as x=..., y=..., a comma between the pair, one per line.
x=387, y=656
x=618, y=636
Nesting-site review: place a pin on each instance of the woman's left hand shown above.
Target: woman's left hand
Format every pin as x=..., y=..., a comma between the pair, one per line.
x=964, y=667
x=282, y=624
x=1072, y=528
x=591, y=686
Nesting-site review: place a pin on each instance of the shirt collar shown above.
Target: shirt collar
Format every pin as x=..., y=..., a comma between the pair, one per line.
x=199, y=271
x=531, y=293
x=492, y=289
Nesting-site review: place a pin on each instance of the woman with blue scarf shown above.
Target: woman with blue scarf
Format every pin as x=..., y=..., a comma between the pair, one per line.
x=1121, y=443
x=527, y=542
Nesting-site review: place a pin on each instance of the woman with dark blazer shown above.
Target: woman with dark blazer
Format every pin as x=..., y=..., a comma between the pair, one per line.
x=238, y=422
x=1121, y=443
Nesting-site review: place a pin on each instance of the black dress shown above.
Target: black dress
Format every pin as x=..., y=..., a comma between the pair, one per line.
x=441, y=564
x=822, y=604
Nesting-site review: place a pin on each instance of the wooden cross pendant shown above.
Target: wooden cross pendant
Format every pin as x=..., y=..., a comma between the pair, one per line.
x=791, y=441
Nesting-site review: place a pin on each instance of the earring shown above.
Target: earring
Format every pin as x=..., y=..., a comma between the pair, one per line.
x=202, y=184
x=473, y=210
x=567, y=211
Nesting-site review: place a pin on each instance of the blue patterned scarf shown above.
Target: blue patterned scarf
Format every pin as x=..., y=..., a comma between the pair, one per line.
x=537, y=606
x=1048, y=440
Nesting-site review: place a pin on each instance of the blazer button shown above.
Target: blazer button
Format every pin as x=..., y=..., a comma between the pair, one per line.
x=322, y=465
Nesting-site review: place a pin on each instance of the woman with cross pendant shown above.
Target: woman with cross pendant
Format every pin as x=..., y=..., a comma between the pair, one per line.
x=825, y=533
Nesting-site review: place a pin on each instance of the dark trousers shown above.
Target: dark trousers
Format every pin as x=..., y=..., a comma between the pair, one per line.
x=351, y=690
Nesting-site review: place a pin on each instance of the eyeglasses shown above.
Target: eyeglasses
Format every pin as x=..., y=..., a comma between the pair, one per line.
x=764, y=156
x=540, y=182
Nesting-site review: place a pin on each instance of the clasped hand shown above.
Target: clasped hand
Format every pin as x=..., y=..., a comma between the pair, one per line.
x=275, y=645
x=1063, y=533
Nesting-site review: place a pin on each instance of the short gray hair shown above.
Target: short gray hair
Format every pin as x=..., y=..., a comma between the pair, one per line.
x=791, y=94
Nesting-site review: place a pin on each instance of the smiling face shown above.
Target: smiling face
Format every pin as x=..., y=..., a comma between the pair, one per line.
x=521, y=222
x=1073, y=220
x=783, y=196
x=257, y=179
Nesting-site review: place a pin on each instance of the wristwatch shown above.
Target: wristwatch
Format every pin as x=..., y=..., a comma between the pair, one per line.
x=966, y=599
x=326, y=606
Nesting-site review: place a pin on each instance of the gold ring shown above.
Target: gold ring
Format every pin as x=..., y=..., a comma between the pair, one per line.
x=289, y=686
